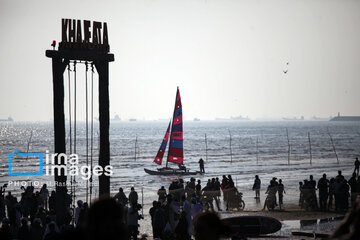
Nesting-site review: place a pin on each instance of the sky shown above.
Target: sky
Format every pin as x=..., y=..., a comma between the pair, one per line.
x=227, y=57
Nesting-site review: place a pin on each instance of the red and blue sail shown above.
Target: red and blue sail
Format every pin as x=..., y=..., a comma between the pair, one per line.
x=160, y=154
x=176, y=150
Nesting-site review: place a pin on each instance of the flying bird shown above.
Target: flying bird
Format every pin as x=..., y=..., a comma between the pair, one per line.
x=285, y=72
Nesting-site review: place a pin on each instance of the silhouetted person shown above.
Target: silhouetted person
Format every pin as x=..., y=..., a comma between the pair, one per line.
x=323, y=186
x=208, y=226
x=281, y=192
x=181, y=230
x=331, y=193
x=44, y=193
x=52, y=235
x=77, y=211
x=353, y=188
x=256, y=186
x=5, y=233
x=357, y=166
x=162, y=194
x=24, y=230
x=201, y=164
x=121, y=197
x=105, y=221
x=339, y=176
x=132, y=221
x=301, y=197
x=159, y=221
x=133, y=197
x=36, y=231
x=52, y=200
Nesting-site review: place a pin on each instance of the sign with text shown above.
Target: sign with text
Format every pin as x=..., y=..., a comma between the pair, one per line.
x=77, y=34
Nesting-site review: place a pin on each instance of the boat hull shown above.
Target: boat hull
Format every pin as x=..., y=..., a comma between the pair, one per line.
x=170, y=172
x=253, y=225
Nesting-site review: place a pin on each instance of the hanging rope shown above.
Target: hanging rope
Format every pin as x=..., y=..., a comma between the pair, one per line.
x=74, y=178
x=92, y=127
x=86, y=126
x=70, y=123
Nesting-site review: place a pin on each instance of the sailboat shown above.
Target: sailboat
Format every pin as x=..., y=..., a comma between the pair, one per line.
x=176, y=150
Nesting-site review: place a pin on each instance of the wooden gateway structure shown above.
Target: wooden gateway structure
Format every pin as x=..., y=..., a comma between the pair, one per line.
x=82, y=42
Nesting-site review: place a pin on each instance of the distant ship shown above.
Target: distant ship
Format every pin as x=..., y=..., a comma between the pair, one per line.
x=239, y=118
x=116, y=118
x=132, y=119
x=294, y=119
x=9, y=119
x=196, y=119
x=345, y=118
x=314, y=118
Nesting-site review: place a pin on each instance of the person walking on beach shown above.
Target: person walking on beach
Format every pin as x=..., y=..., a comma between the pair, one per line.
x=133, y=197
x=201, y=164
x=256, y=187
x=281, y=192
x=323, y=186
x=357, y=166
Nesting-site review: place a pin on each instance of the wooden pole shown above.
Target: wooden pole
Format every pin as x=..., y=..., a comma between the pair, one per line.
x=206, y=148
x=333, y=145
x=58, y=66
x=310, y=148
x=104, y=121
x=289, y=147
x=230, y=148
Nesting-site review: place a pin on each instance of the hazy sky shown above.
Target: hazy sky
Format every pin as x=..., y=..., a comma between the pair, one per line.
x=226, y=56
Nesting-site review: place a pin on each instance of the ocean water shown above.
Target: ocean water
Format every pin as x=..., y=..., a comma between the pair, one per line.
x=256, y=148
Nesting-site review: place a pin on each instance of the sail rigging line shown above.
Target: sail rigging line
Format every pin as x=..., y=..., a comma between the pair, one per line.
x=91, y=128
x=87, y=126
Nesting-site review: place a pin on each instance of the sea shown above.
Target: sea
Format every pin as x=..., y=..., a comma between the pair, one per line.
x=287, y=150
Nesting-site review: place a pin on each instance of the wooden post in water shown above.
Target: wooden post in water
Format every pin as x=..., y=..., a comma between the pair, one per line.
x=135, y=147
x=206, y=148
x=289, y=147
x=333, y=145
x=310, y=148
x=257, y=150
x=230, y=148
